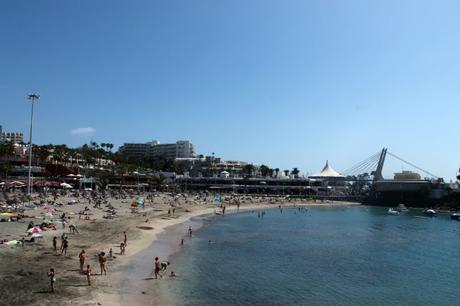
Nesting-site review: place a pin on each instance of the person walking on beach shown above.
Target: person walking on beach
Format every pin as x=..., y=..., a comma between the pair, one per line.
x=157, y=267
x=125, y=240
x=103, y=262
x=122, y=248
x=190, y=231
x=52, y=278
x=182, y=241
x=82, y=257
x=88, y=274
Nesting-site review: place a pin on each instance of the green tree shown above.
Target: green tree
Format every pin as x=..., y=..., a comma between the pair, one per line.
x=248, y=170
x=6, y=148
x=264, y=170
x=5, y=168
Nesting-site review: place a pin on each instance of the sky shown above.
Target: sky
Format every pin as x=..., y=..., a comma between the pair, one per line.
x=288, y=83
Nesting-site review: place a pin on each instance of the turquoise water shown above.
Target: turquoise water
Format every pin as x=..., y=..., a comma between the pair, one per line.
x=326, y=256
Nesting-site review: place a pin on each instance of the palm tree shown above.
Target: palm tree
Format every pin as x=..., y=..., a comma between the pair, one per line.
x=295, y=172
x=286, y=172
x=264, y=170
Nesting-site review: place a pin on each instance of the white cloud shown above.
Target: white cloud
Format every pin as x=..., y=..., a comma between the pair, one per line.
x=83, y=131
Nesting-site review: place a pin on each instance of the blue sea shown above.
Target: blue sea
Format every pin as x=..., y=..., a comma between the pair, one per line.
x=322, y=256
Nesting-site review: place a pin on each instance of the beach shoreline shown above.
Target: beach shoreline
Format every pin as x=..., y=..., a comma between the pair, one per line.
x=24, y=269
x=166, y=244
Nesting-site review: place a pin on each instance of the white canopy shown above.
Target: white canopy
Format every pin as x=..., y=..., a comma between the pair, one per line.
x=327, y=171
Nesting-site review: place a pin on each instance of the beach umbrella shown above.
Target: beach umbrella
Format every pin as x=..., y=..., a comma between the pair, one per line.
x=35, y=230
x=65, y=185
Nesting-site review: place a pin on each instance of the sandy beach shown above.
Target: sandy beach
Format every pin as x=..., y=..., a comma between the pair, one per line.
x=24, y=269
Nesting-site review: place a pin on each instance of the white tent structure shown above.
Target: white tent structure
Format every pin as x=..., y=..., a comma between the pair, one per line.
x=327, y=172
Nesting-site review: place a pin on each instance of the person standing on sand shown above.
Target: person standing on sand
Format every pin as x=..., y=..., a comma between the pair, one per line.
x=182, y=241
x=82, y=257
x=88, y=275
x=122, y=248
x=125, y=239
x=157, y=267
x=65, y=245
x=103, y=262
x=55, y=244
x=190, y=231
x=52, y=278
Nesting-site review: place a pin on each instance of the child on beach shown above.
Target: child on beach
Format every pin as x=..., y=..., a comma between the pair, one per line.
x=164, y=265
x=88, y=274
x=157, y=267
x=52, y=278
x=55, y=243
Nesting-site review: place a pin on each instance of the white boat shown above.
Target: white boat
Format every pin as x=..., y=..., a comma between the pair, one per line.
x=402, y=208
x=392, y=211
x=430, y=212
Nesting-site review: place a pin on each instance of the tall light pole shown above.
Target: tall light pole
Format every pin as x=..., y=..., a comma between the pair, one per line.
x=32, y=97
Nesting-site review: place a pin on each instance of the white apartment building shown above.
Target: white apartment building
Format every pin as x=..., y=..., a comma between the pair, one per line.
x=14, y=137
x=153, y=149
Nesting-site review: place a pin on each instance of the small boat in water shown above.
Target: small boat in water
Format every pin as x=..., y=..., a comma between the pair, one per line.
x=392, y=211
x=455, y=216
x=402, y=208
x=430, y=212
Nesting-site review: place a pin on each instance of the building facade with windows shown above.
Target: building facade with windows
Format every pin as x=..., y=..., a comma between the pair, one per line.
x=14, y=137
x=153, y=149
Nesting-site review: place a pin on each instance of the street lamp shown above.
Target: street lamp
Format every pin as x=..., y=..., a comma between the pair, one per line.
x=32, y=97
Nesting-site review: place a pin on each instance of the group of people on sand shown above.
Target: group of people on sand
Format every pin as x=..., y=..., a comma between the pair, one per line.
x=82, y=256
x=161, y=266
